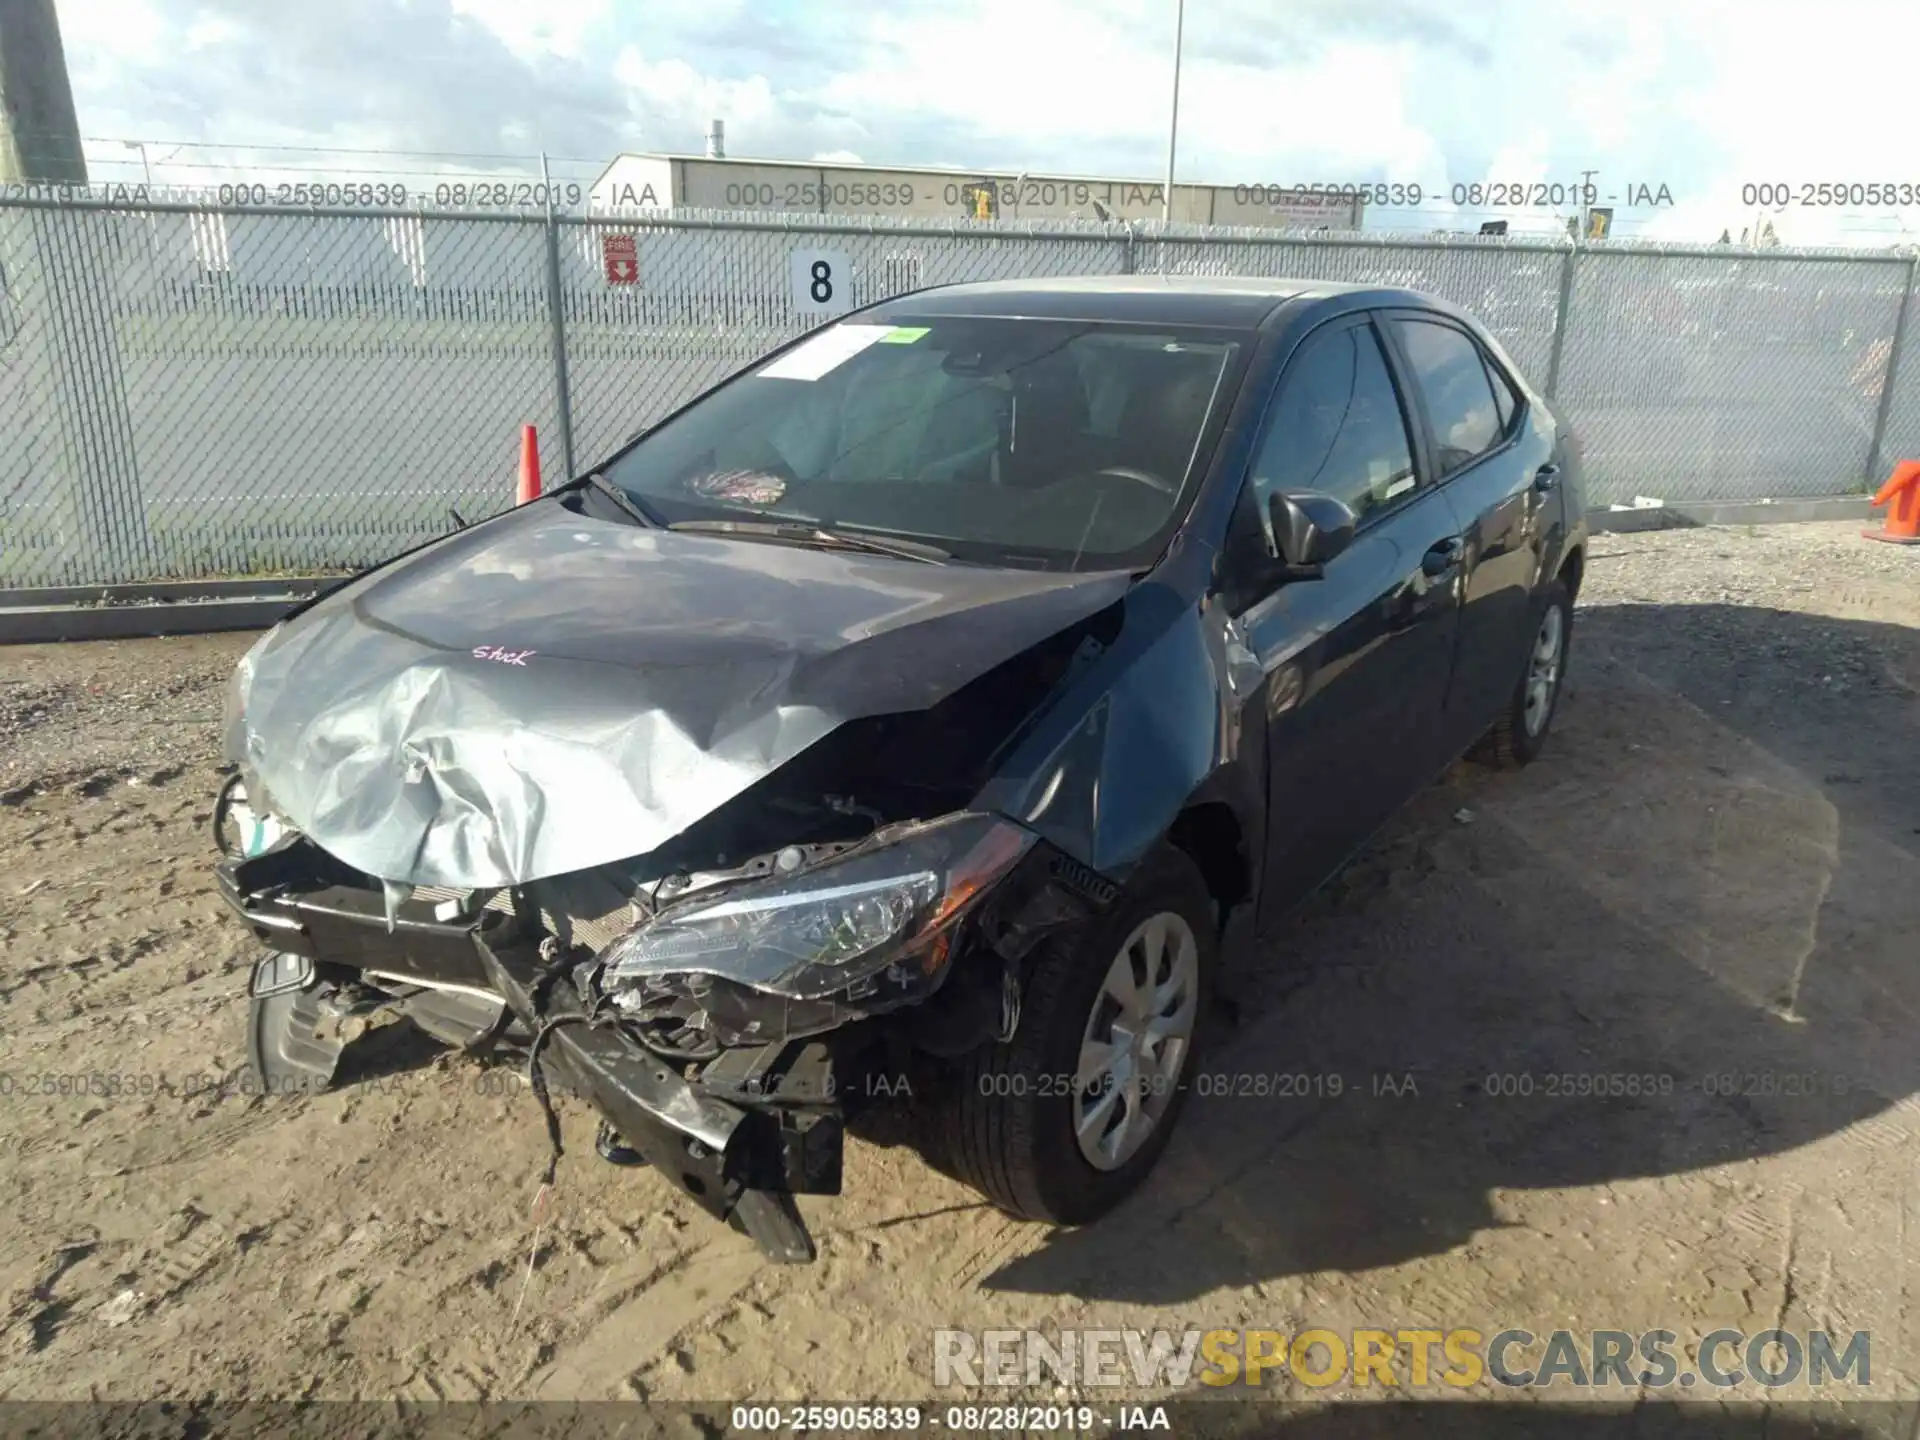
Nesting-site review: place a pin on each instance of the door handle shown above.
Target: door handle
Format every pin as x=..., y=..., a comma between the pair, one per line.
x=1442, y=557
x=1414, y=600
x=1546, y=478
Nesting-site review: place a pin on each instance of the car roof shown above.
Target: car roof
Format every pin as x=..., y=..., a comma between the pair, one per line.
x=1219, y=301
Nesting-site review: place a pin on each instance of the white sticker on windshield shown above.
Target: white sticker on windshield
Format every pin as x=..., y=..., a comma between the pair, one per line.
x=818, y=354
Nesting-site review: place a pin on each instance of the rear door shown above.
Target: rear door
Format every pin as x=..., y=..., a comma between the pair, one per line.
x=1487, y=459
x=1356, y=662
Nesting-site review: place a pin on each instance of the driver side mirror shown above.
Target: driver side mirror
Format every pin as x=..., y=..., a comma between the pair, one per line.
x=1309, y=529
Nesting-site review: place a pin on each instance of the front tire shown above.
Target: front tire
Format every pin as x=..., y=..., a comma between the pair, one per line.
x=1520, y=733
x=1068, y=1118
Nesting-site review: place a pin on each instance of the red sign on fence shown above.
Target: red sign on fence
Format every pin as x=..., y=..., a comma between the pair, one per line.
x=622, y=259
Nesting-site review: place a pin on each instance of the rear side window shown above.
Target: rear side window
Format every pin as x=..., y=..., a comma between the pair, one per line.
x=1504, y=400
x=1336, y=425
x=1453, y=379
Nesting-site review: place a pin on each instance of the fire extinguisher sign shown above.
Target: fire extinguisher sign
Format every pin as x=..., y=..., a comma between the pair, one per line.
x=821, y=282
x=622, y=258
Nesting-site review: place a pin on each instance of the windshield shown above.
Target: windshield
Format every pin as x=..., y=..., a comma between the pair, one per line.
x=1058, y=444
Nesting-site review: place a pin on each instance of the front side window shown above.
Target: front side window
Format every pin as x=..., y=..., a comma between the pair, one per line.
x=1453, y=379
x=1336, y=426
x=1060, y=444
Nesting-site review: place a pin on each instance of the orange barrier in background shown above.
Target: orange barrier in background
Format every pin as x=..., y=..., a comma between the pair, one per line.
x=1901, y=494
x=529, y=488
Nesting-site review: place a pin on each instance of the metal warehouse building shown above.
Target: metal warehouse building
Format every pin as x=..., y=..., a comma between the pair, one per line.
x=819, y=187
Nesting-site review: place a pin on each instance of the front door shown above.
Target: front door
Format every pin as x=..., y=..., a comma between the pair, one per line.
x=1356, y=663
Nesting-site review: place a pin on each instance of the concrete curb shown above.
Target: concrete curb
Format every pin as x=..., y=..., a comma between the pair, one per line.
x=41, y=624
x=168, y=590
x=1686, y=514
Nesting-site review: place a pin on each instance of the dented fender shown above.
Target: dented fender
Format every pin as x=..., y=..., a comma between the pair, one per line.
x=1153, y=729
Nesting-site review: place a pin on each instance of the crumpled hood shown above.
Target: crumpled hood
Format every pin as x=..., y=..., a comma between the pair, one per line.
x=547, y=692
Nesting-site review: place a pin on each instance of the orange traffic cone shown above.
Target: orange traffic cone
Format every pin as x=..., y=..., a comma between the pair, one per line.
x=529, y=466
x=1901, y=494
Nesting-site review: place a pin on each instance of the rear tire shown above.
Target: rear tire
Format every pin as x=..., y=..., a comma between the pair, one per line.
x=1013, y=1128
x=1520, y=733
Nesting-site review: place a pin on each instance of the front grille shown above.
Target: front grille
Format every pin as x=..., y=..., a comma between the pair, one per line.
x=596, y=932
x=600, y=931
x=434, y=894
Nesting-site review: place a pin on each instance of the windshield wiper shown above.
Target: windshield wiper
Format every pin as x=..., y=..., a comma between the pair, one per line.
x=800, y=534
x=625, y=501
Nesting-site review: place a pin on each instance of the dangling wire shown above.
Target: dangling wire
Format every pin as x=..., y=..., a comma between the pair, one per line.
x=533, y=1253
x=595, y=1016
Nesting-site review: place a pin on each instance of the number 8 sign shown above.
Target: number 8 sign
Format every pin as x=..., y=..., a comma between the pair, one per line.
x=821, y=282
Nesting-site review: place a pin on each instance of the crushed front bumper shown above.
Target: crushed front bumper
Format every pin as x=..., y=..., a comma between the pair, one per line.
x=742, y=1163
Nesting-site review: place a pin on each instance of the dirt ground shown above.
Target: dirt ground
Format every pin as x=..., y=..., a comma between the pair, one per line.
x=1712, y=876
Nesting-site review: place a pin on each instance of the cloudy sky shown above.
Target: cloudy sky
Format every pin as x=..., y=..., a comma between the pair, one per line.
x=1701, y=96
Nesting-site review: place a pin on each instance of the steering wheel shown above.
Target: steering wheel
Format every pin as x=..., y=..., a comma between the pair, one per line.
x=1144, y=477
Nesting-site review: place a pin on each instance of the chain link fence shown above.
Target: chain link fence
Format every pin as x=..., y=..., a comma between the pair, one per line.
x=189, y=391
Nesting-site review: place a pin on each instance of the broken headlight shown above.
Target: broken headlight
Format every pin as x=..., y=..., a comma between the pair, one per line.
x=241, y=830
x=877, y=920
x=233, y=719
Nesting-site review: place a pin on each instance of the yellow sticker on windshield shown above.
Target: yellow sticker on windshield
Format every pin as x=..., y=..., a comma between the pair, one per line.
x=904, y=334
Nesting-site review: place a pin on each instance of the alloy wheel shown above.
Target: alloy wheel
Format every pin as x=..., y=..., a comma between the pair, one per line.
x=1136, y=1040
x=1543, y=668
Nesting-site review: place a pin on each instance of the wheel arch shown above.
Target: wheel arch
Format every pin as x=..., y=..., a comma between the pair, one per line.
x=1573, y=568
x=1209, y=833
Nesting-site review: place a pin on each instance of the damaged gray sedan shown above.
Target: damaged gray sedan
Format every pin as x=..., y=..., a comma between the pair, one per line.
x=944, y=706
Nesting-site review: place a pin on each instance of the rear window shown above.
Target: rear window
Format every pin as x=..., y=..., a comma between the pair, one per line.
x=1453, y=378
x=1504, y=400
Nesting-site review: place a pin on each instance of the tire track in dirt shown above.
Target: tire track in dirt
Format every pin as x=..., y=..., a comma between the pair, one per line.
x=991, y=1246
x=637, y=1319
x=161, y=1151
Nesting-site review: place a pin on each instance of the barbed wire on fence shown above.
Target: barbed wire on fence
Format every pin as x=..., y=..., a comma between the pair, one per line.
x=201, y=166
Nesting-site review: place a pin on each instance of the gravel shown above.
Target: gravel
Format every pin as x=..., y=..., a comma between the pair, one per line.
x=82, y=715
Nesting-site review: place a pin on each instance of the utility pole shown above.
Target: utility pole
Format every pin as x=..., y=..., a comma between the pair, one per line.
x=1173, y=124
x=556, y=314
x=39, y=134
x=93, y=472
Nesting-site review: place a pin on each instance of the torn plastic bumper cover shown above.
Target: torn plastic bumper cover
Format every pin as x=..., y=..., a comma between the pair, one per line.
x=717, y=1152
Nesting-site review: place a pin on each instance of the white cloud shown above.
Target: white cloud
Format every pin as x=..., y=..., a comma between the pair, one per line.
x=677, y=88
x=555, y=27
x=1699, y=95
x=101, y=28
